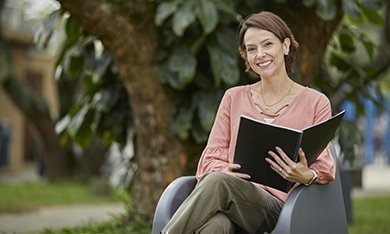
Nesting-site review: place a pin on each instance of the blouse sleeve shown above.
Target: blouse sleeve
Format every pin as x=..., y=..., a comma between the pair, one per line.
x=215, y=157
x=324, y=165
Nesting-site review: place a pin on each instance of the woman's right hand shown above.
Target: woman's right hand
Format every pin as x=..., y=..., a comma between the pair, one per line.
x=230, y=170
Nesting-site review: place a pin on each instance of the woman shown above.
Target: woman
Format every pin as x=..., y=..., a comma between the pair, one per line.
x=223, y=200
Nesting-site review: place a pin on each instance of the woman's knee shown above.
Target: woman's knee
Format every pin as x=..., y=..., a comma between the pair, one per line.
x=219, y=223
x=215, y=179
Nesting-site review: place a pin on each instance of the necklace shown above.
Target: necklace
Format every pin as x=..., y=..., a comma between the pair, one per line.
x=266, y=106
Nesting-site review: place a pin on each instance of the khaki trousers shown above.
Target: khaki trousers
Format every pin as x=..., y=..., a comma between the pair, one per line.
x=221, y=202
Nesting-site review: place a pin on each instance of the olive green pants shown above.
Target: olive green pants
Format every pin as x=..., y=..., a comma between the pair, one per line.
x=221, y=202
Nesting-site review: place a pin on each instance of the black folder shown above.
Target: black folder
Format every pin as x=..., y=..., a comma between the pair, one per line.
x=255, y=138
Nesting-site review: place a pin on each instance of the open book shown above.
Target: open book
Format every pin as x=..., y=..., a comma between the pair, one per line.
x=255, y=138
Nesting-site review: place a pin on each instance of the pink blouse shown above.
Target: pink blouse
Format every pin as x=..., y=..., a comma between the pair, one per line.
x=308, y=108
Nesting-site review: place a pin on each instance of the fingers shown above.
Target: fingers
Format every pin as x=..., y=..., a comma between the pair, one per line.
x=240, y=175
x=233, y=166
x=275, y=166
x=284, y=156
x=230, y=170
x=302, y=157
x=278, y=159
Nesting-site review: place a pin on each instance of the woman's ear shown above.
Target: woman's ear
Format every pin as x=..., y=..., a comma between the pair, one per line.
x=286, y=45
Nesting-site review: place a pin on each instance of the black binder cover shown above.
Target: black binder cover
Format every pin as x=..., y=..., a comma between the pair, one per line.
x=255, y=138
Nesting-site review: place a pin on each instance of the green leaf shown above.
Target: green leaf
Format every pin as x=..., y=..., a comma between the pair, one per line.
x=226, y=6
x=347, y=42
x=62, y=124
x=309, y=3
x=373, y=16
x=340, y=63
x=75, y=66
x=224, y=65
x=207, y=104
x=183, y=62
x=326, y=9
x=164, y=10
x=227, y=40
x=207, y=15
x=351, y=8
x=183, y=18
x=373, y=4
x=369, y=46
x=73, y=30
x=77, y=120
x=84, y=133
x=199, y=134
x=47, y=28
x=182, y=122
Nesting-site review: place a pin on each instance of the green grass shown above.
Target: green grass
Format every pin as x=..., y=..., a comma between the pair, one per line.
x=114, y=226
x=32, y=195
x=371, y=215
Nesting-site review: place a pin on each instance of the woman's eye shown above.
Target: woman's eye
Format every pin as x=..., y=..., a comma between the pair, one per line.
x=250, y=49
x=268, y=44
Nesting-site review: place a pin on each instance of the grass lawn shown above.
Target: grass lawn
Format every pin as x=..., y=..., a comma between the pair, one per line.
x=371, y=215
x=29, y=196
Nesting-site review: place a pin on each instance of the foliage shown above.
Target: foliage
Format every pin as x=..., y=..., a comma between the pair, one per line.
x=102, y=107
x=29, y=196
x=198, y=58
x=351, y=66
x=351, y=70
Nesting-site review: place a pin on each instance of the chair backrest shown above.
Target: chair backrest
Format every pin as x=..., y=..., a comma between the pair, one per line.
x=315, y=209
x=172, y=197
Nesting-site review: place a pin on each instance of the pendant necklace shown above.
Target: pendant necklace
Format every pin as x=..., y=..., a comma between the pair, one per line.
x=266, y=106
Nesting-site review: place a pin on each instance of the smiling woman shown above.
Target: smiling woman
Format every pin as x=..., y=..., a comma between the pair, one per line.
x=218, y=203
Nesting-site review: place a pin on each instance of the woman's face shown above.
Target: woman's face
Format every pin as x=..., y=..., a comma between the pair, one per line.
x=265, y=52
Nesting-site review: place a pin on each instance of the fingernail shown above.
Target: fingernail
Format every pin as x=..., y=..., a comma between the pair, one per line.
x=277, y=148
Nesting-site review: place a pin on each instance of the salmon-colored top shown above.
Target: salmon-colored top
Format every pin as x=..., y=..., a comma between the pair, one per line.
x=308, y=108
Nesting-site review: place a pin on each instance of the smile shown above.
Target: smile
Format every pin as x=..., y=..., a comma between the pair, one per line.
x=264, y=64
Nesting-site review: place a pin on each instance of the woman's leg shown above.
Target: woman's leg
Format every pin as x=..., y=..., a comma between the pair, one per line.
x=219, y=223
x=245, y=204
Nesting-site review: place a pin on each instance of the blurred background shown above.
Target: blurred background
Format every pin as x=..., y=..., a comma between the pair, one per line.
x=106, y=102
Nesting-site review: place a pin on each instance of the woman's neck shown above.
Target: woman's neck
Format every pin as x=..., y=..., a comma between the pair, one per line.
x=275, y=85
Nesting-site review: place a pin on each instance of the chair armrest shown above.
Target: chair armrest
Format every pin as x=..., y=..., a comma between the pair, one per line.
x=315, y=209
x=172, y=197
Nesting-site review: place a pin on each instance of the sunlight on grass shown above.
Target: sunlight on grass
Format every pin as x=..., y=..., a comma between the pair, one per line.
x=32, y=195
x=371, y=215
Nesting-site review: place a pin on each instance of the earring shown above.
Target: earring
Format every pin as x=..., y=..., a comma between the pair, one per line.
x=286, y=53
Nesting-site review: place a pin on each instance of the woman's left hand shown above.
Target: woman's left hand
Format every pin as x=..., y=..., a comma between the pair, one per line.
x=288, y=169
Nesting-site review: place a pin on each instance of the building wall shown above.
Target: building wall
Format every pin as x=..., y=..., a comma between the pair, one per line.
x=27, y=65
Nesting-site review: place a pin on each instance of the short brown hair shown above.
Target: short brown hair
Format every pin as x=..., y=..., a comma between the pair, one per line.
x=270, y=22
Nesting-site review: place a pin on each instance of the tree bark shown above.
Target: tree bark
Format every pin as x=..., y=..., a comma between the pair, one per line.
x=313, y=34
x=131, y=41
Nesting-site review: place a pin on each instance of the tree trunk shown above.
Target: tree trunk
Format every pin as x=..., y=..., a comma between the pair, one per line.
x=131, y=41
x=313, y=35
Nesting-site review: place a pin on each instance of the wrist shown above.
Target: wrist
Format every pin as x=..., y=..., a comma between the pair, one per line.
x=313, y=179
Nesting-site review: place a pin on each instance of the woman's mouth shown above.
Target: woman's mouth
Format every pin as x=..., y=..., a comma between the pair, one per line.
x=264, y=64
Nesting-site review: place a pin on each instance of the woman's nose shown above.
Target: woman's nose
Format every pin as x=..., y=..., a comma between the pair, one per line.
x=260, y=53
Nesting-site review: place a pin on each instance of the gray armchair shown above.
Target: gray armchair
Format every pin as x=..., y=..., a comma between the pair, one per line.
x=314, y=209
